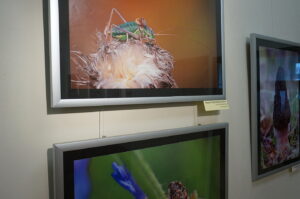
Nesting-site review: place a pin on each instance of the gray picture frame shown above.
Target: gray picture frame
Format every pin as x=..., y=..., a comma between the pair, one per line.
x=255, y=115
x=55, y=74
x=60, y=149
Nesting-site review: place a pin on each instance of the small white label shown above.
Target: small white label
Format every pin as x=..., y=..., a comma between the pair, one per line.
x=215, y=105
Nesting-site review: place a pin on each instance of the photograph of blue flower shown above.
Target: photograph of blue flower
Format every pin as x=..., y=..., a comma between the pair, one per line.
x=183, y=170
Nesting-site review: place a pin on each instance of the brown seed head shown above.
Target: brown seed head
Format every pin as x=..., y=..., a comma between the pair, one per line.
x=176, y=190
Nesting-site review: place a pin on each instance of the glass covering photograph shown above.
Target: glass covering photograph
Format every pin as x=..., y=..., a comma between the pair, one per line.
x=275, y=75
x=184, y=163
x=127, y=52
x=193, y=173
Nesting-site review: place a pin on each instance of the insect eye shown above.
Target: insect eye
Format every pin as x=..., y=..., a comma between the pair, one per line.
x=143, y=22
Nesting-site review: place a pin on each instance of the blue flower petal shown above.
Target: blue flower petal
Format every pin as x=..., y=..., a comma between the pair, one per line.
x=123, y=177
x=81, y=179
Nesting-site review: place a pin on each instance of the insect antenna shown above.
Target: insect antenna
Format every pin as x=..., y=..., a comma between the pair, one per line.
x=165, y=34
x=169, y=29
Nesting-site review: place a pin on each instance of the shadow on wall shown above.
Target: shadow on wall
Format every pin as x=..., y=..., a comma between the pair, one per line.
x=50, y=173
x=201, y=110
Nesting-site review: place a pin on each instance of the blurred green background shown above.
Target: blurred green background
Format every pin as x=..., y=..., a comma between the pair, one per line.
x=194, y=163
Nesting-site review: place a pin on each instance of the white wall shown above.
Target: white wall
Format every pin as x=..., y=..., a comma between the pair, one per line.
x=28, y=129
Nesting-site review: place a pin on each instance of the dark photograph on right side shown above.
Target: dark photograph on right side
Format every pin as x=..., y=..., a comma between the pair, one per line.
x=277, y=107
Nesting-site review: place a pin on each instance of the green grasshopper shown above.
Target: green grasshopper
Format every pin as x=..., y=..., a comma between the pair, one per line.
x=137, y=29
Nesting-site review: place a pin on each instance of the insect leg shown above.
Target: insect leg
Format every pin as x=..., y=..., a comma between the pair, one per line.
x=118, y=13
x=114, y=10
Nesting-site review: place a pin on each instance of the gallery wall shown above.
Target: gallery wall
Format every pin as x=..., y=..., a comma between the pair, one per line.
x=28, y=128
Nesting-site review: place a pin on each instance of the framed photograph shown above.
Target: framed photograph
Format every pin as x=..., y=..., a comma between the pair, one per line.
x=131, y=52
x=275, y=75
x=144, y=166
